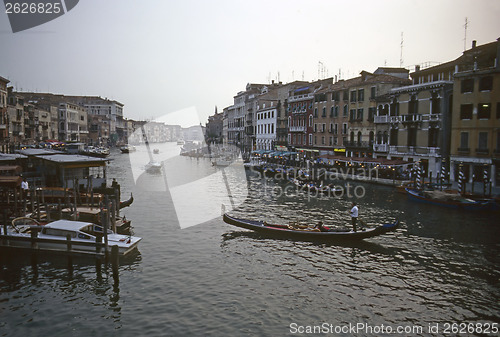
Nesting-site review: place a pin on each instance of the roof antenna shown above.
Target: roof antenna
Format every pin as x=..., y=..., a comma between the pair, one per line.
x=465, y=36
x=401, y=56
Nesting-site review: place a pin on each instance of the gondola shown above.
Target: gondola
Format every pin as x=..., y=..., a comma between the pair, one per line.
x=128, y=202
x=308, y=233
x=449, y=200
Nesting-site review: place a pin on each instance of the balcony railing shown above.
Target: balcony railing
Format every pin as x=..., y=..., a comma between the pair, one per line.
x=381, y=147
x=355, y=144
x=407, y=118
x=415, y=150
x=300, y=97
x=482, y=151
x=297, y=128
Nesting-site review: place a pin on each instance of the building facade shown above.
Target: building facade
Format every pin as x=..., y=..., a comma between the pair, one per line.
x=4, y=121
x=475, y=122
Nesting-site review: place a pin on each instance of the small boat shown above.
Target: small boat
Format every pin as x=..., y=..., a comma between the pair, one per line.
x=128, y=149
x=53, y=236
x=308, y=233
x=450, y=200
x=128, y=202
x=156, y=151
x=153, y=167
x=96, y=151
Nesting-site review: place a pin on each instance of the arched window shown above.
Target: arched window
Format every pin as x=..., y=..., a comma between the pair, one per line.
x=359, y=136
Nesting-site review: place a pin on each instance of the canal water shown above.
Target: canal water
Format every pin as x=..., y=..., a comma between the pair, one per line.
x=441, y=267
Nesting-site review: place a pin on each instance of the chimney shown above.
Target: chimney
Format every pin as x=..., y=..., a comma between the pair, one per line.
x=417, y=68
x=474, y=42
x=497, y=59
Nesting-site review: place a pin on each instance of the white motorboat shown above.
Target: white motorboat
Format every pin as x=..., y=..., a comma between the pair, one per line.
x=153, y=167
x=53, y=236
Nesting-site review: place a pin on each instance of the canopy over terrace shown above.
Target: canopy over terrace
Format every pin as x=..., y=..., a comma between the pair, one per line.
x=382, y=162
x=62, y=170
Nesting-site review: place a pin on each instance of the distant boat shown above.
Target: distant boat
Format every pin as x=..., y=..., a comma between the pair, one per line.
x=96, y=151
x=128, y=149
x=156, y=151
x=450, y=200
x=153, y=167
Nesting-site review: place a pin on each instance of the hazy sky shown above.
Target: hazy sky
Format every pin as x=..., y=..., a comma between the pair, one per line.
x=158, y=57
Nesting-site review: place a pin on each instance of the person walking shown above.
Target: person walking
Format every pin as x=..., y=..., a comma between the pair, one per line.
x=354, y=215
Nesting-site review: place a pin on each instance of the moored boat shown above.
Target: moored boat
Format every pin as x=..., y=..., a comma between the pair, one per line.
x=450, y=200
x=127, y=149
x=54, y=236
x=308, y=233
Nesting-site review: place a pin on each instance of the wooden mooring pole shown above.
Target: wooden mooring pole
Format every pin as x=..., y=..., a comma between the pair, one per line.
x=114, y=265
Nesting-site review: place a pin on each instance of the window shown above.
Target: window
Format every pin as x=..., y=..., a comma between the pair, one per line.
x=436, y=102
x=310, y=139
x=336, y=113
x=466, y=111
x=486, y=83
x=413, y=105
x=323, y=140
x=323, y=127
x=360, y=114
x=482, y=144
x=352, y=115
x=361, y=95
x=344, y=128
x=332, y=110
x=345, y=95
x=498, y=110
x=433, y=134
x=464, y=141
x=467, y=85
x=323, y=113
x=412, y=137
x=371, y=114
x=483, y=110
x=315, y=127
x=335, y=129
x=310, y=120
x=315, y=112
x=372, y=92
x=345, y=110
x=394, y=137
x=353, y=96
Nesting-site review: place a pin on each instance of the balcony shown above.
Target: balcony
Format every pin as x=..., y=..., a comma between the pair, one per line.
x=297, y=129
x=381, y=119
x=300, y=97
x=357, y=145
x=413, y=118
x=381, y=147
x=415, y=151
x=483, y=151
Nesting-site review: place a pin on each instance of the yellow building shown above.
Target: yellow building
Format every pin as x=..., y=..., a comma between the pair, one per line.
x=475, y=122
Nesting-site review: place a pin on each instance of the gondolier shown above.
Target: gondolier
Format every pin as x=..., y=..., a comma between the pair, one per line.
x=354, y=215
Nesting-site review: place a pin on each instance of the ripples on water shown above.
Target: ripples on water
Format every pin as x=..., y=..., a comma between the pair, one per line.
x=218, y=280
